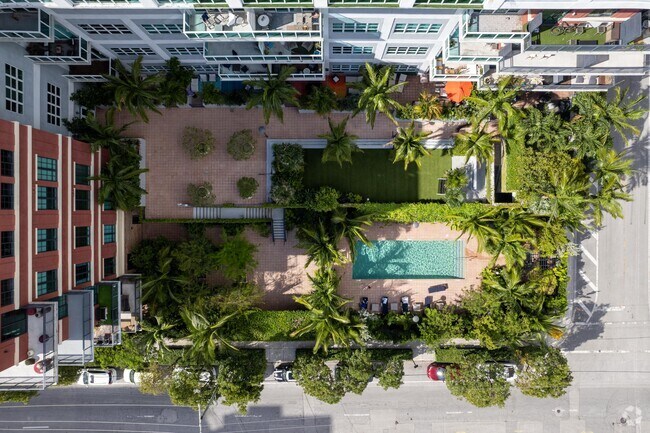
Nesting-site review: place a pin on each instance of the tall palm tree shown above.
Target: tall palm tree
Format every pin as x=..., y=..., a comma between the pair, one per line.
x=608, y=200
x=409, y=147
x=497, y=103
x=376, y=93
x=477, y=143
x=543, y=130
x=321, y=99
x=173, y=89
x=620, y=112
x=321, y=246
x=611, y=166
x=351, y=228
x=275, y=92
x=567, y=200
x=155, y=334
x=103, y=135
x=161, y=291
x=511, y=245
x=586, y=136
x=329, y=321
x=521, y=221
x=133, y=90
x=511, y=290
x=428, y=107
x=120, y=185
x=340, y=144
x=206, y=335
x=480, y=225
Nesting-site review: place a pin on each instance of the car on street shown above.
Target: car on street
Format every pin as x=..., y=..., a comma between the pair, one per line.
x=438, y=371
x=284, y=373
x=97, y=377
x=132, y=376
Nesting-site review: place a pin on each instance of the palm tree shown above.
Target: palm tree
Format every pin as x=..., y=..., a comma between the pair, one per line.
x=275, y=92
x=160, y=292
x=173, y=89
x=206, y=335
x=155, y=334
x=522, y=222
x=608, y=199
x=511, y=290
x=120, y=185
x=497, y=103
x=103, y=135
x=409, y=146
x=376, y=93
x=428, y=107
x=328, y=321
x=321, y=99
x=134, y=91
x=340, y=144
x=619, y=112
x=479, y=225
x=351, y=228
x=512, y=246
x=321, y=246
x=543, y=130
x=477, y=143
x=611, y=166
x=567, y=200
x=586, y=136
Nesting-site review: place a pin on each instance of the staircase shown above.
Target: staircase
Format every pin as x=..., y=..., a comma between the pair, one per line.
x=207, y=213
x=257, y=213
x=228, y=213
x=279, y=231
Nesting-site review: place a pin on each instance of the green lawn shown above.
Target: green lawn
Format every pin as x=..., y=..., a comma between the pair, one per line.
x=373, y=175
x=546, y=37
x=104, y=299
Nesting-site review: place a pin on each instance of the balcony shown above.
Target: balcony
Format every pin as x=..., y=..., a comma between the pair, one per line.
x=39, y=368
x=458, y=50
x=92, y=73
x=499, y=26
x=455, y=71
x=303, y=72
x=78, y=348
x=251, y=24
x=67, y=48
x=107, y=330
x=19, y=24
x=555, y=83
x=130, y=303
x=281, y=52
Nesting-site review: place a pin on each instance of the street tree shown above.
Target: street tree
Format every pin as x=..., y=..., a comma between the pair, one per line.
x=545, y=373
x=317, y=380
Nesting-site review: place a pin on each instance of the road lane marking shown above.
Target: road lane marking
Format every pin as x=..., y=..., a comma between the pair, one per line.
x=588, y=280
x=97, y=422
x=37, y=427
x=356, y=414
x=588, y=255
x=595, y=351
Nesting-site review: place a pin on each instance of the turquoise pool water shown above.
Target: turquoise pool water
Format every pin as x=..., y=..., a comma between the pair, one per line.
x=409, y=260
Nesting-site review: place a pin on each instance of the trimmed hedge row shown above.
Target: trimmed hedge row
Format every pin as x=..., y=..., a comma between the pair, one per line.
x=270, y=326
x=406, y=213
x=382, y=355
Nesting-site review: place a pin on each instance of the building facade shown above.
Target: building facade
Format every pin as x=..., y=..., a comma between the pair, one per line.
x=60, y=257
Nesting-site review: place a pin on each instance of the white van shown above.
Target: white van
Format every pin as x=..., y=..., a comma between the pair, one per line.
x=95, y=377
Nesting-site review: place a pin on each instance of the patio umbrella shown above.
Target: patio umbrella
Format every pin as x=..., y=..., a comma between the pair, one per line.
x=458, y=90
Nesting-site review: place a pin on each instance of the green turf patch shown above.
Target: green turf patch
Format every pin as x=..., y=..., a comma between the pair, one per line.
x=104, y=299
x=548, y=37
x=373, y=175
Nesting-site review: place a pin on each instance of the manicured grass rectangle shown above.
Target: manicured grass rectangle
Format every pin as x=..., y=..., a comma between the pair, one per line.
x=547, y=37
x=373, y=175
x=104, y=299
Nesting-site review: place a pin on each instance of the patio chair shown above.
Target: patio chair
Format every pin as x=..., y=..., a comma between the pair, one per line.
x=417, y=307
x=375, y=308
x=580, y=30
x=394, y=307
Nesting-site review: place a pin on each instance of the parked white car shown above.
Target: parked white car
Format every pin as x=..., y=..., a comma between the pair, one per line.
x=132, y=376
x=97, y=377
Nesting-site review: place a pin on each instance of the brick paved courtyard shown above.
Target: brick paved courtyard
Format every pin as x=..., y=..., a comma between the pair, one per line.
x=171, y=169
x=281, y=269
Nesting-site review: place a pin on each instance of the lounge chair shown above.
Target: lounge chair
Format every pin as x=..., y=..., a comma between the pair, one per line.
x=417, y=306
x=394, y=307
x=375, y=308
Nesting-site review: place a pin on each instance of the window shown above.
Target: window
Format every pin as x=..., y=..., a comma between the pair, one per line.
x=81, y=174
x=442, y=186
x=163, y=29
x=341, y=49
x=63, y=305
x=6, y=244
x=14, y=89
x=133, y=51
x=109, y=266
x=81, y=273
x=6, y=292
x=344, y=68
x=406, y=69
x=46, y=282
x=81, y=199
x=14, y=324
x=108, y=204
x=341, y=27
x=105, y=29
x=407, y=51
x=47, y=169
x=47, y=198
x=81, y=237
x=46, y=240
x=53, y=104
x=185, y=51
x=7, y=196
x=6, y=163
x=109, y=233
x=416, y=28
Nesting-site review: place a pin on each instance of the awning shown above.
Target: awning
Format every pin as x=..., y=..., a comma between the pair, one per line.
x=458, y=90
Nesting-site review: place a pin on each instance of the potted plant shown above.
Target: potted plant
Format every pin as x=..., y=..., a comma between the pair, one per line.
x=241, y=145
x=247, y=187
x=201, y=194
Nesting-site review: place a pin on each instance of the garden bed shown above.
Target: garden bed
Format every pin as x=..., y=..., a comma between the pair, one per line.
x=375, y=354
x=373, y=175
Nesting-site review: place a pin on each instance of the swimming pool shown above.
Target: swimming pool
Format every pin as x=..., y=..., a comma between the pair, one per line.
x=409, y=260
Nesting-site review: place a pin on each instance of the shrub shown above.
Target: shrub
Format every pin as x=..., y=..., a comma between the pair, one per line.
x=283, y=191
x=240, y=378
x=92, y=95
x=237, y=257
x=145, y=255
x=201, y=194
x=68, y=375
x=247, y=187
x=457, y=180
x=406, y=213
x=288, y=157
x=126, y=355
x=326, y=199
x=391, y=373
x=241, y=145
x=199, y=143
x=270, y=326
x=211, y=95
x=17, y=396
x=321, y=99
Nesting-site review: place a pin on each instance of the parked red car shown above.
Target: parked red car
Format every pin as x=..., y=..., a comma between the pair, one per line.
x=437, y=371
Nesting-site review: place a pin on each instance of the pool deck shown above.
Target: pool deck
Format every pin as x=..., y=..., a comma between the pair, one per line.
x=281, y=269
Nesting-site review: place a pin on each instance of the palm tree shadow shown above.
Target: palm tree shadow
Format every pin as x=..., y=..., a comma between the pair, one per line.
x=587, y=330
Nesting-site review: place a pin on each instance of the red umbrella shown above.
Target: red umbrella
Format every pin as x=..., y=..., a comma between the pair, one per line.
x=458, y=90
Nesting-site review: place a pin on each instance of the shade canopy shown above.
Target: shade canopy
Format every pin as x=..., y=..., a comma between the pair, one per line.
x=458, y=90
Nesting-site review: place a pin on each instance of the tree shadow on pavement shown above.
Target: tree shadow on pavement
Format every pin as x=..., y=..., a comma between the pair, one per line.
x=585, y=327
x=271, y=418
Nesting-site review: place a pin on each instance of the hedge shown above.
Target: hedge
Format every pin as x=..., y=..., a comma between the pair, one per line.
x=208, y=221
x=454, y=355
x=375, y=354
x=270, y=326
x=406, y=213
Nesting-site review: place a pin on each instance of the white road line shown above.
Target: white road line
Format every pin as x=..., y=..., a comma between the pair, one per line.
x=100, y=422
x=584, y=352
x=588, y=255
x=356, y=414
x=39, y=427
x=588, y=281
x=594, y=234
